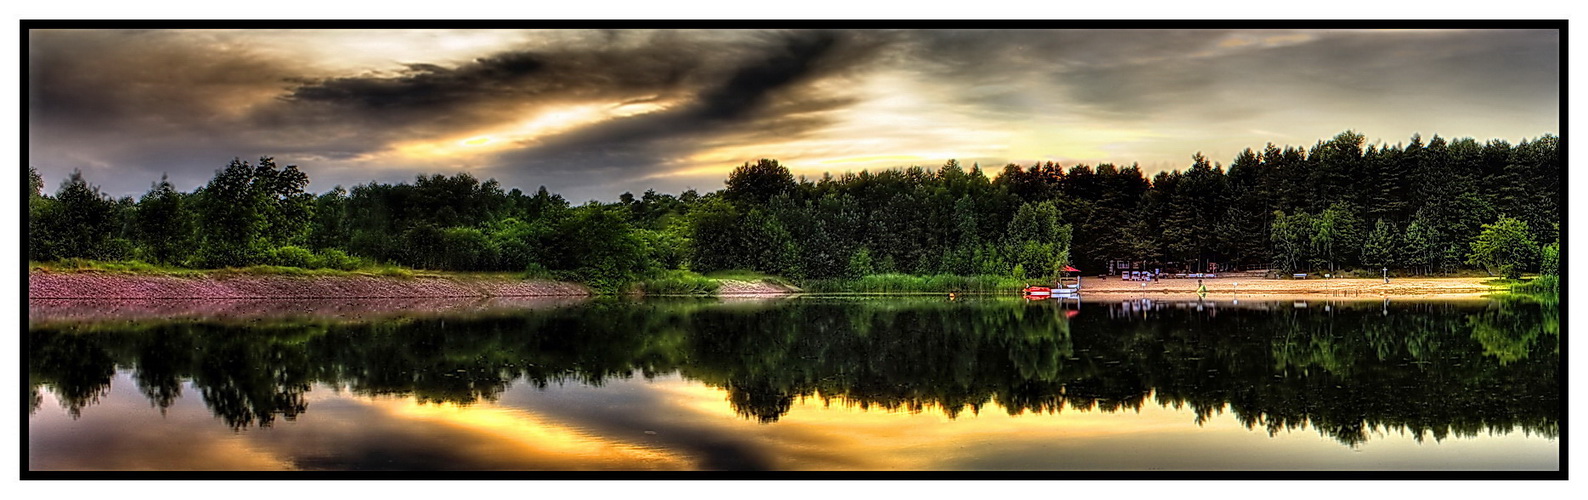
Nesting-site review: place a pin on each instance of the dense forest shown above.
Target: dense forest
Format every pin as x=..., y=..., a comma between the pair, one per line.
x=1342, y=205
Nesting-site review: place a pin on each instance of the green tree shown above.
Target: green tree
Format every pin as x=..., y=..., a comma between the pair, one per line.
x=1505, y=247
x=1036, y=242
x=82, y=221
x=597, y=246
x=518, y=243
x=715, y=228
x=757, y=183
x=860, y=264
x=164, y=224
x=41, y=213
x=1549, y=263
x=1291, y=236
x=329, y=228
x=248, y=209
x=1380, y=248
x=1336, y=228
x=467, y=249
x=1421, y=249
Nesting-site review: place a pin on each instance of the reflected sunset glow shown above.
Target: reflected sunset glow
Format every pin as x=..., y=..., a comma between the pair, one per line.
x=510, y=431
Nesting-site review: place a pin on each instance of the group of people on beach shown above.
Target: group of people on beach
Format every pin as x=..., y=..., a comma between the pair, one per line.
x=1140, y=275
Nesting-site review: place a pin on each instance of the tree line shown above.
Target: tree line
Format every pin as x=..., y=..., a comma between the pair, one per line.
x=1342, y=204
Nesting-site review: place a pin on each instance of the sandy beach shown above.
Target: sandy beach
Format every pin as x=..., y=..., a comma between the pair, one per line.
x=1257, y=287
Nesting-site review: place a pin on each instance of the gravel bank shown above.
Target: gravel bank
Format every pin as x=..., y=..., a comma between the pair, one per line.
x=97, y=285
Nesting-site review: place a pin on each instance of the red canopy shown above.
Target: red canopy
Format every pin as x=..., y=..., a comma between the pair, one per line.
x=1071, y=269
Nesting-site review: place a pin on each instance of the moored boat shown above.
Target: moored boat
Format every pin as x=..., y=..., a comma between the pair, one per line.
x=1067, y=286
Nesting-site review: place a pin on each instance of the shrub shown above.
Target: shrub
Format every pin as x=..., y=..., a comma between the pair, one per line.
x=291, y=256
x=332, y=258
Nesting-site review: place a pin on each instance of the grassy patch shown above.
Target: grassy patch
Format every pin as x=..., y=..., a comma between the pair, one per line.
x=119, y=267
x=909, y=283
x=679, y=283
x=144, y=268
x=389, y=271
x=1542, y=285
x=263, y=270
x=1503, y=282
x=746, y=275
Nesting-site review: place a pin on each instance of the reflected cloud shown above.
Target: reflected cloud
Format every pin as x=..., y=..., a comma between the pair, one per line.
x=123, y=433
x=510, y=436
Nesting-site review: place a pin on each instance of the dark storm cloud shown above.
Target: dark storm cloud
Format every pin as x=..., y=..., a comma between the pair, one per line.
x=727, y=79
x=663, y=63
x=758, y=100
x=90, y=80
x=127, y=106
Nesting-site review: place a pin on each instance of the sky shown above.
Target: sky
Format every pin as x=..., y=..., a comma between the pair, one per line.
x=591, y=114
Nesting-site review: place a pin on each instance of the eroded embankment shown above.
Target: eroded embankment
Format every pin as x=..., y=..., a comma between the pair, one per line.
x=47, y=311
x=220, y=286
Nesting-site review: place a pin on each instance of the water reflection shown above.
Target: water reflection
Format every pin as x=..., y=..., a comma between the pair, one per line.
x=1349, y=369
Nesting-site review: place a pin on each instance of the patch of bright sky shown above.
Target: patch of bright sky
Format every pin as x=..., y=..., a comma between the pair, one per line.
x=477, y=145
x=898, y=121
x=372, y=50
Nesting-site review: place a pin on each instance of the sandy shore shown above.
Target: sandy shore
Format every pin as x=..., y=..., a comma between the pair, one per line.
x=1255, y=287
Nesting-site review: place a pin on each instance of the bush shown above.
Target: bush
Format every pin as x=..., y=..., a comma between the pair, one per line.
x=291, y=256
x=332, y=258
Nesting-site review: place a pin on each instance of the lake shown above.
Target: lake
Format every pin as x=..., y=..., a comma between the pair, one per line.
x=797, y=384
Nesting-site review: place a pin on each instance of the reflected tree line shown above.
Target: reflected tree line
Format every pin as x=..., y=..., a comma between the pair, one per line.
x=1347, y=370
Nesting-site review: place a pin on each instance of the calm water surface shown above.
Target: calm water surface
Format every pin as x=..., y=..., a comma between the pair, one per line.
x=801, y=384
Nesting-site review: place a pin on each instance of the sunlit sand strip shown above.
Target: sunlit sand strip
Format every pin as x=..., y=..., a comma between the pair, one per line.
x=533, y=435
